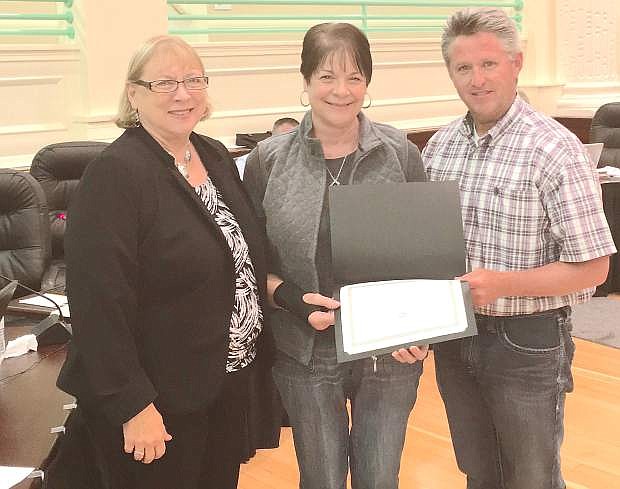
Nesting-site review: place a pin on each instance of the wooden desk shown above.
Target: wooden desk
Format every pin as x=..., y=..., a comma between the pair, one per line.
x=36, y=313
x=30, y=402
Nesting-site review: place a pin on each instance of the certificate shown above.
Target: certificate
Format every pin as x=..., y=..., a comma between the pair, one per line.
x=380, y=317
x=396, y=249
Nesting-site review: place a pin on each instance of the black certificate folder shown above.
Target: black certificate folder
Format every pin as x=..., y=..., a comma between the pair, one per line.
x=396, y=249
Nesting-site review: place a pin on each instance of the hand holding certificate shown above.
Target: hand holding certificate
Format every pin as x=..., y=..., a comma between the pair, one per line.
x=396, y=249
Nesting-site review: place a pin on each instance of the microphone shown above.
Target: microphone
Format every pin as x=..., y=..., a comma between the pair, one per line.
x=53, y=329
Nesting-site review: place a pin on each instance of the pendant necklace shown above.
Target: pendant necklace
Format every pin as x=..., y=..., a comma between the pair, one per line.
x=335, y=179
x=183, y=166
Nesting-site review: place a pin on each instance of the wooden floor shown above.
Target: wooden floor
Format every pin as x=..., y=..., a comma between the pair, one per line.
x=590, y=454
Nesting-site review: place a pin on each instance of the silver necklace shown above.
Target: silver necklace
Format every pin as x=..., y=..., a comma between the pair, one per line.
x=335, y=179
x=183, y=166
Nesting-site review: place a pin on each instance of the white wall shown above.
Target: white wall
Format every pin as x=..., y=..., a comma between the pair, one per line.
x=70, y=91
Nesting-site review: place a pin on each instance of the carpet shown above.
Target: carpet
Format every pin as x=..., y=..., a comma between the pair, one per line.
x=598, y=320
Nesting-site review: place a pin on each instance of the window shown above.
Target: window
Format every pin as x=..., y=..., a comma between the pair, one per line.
x=289, y=19
x=36, y=21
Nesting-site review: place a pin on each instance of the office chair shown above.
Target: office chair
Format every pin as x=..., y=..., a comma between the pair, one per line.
x=606, y=129
x=58, y=168
x=25, y=251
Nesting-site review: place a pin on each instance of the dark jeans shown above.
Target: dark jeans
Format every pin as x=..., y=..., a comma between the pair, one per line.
x=504, y=393
x=382, y=395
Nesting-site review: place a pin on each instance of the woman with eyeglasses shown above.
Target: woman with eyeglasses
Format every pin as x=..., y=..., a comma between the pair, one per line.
x=166, y=279
x=288, y=177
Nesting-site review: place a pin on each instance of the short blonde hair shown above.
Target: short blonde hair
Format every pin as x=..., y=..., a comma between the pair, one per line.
x=127, y=116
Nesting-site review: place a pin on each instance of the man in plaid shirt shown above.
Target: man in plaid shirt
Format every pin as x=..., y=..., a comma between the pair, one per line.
x=537, y=243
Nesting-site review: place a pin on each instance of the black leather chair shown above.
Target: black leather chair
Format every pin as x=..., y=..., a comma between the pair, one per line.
x=58, y=168
x=606, y=129
x=25, y=250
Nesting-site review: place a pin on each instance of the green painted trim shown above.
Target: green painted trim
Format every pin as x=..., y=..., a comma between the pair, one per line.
x=67, y=17
x=259, y=30
x=66, y=32
x=176, y=17
x=516, y=4
x=363, y=18
x=364, y=10
x=67, y=3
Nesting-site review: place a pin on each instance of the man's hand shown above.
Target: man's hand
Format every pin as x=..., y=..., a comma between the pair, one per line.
x=411, y=355
x=486, y=285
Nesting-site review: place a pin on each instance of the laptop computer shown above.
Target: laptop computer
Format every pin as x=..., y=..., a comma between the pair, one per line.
x=594, y=151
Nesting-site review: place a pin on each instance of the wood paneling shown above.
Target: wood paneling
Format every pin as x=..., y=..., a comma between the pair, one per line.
x=580, y=126
x=420, y=138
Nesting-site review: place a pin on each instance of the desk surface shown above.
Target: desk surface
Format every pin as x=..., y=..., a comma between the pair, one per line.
x=17, y=308
x=30, y=402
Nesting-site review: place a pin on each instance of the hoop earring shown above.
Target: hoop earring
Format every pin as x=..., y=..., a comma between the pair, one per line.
x=369, y=101
x=301, y=98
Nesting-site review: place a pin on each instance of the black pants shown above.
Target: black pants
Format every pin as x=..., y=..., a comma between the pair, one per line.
x=204, y=452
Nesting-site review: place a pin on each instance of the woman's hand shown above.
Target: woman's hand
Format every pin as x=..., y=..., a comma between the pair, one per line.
x=145, y=435
x=321, y=320
x=411, y=355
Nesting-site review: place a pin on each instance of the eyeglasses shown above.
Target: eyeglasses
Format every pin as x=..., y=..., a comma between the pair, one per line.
x=167, y=86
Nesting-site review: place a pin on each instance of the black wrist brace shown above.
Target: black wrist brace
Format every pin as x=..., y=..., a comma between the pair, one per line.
x=290, y=297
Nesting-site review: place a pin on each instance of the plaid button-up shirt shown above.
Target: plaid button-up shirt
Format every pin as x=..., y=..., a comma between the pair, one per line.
x=529, y=198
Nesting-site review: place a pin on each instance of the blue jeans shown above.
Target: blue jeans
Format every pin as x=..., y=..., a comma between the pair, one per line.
x=504, y=393
x=382, y=395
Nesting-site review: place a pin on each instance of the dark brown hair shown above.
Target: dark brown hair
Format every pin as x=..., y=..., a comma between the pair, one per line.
x=323, y=41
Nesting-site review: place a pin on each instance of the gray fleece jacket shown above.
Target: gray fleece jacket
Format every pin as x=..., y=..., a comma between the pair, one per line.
x=286, y=177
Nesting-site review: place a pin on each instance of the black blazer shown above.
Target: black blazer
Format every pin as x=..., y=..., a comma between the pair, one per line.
x=150, y=280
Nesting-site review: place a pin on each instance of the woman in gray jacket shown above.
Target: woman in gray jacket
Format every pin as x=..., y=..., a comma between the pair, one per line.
x=288, y=177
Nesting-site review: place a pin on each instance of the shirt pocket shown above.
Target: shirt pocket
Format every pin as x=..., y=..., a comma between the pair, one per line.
x=517, y=212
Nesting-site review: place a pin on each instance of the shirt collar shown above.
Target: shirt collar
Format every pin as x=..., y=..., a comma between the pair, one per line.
x=466, y=127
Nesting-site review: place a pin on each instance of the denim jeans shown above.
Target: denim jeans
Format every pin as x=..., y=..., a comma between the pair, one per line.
x=382, y=395
x=504, y=393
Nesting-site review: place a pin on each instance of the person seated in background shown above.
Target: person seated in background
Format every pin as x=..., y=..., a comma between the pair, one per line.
x=282, y=125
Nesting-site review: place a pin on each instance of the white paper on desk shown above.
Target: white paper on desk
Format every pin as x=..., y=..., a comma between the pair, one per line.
x=378, y=315
x=610, y=171
x=59, y=299
x=21, y=345
x=10, y=476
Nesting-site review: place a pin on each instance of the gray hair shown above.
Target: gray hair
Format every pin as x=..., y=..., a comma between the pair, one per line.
x=470, y=21
x=127, y=116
